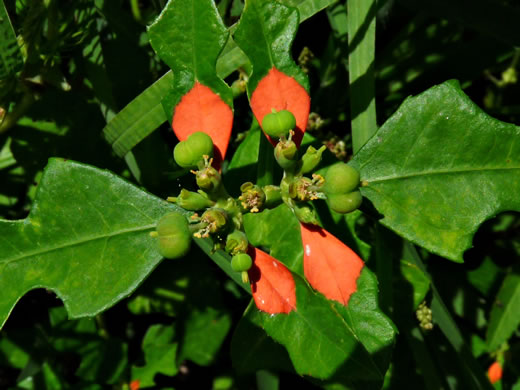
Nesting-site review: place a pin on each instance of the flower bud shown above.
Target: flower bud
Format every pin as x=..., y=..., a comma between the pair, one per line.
x=285, y=153
x=236, y=242
x=174, y=235
x=341, y=178
x=241, y=262
x=311, y=159
x=208, y=179
x=495, y=372
x=189, y=153
x=344, y=203
x=192, y=201
x=278, y=124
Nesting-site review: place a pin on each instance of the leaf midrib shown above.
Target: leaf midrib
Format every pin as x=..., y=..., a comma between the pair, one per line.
x=74, y=243
x=440, y=172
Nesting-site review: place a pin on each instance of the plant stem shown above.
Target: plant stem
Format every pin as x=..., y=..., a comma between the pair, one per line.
x=266, y=163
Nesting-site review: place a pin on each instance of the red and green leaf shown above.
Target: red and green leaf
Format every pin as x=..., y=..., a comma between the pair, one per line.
x=265, y=33
x=189, y=36
x=329, y=265
x=361, y=326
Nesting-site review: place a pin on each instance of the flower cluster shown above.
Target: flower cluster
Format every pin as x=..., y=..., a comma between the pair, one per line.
x=281, y=105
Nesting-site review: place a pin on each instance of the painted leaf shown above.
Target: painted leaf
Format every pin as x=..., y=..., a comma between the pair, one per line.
x=326, y=340
x=86, y=238
x=439, y=167
x=329, y=265
x=304, y=335
x=272, y=284
x=265, y=33
x=281, y=92
x=203, y=110
x=189, y=35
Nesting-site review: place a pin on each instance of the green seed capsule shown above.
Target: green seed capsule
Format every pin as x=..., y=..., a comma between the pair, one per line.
x=341, y=179
x=174, y=236
x=189, y=153
x=241, y=262
x=278, y=123
x=345, y=203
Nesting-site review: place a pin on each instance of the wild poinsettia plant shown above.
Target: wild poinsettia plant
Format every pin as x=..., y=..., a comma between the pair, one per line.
x=250, y=190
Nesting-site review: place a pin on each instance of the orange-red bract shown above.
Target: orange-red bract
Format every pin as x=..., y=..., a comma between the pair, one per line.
x=135, y=384
x=201, y=109
x=329, y=265
x=495, y=372
x=272, y=284
x=281, y=92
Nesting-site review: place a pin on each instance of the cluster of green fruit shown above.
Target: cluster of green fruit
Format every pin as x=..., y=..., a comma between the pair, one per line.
x=341, y=183
x=222, y=214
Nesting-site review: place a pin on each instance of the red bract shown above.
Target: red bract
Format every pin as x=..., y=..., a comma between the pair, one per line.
x=329, y=265
x=272, y=284
x=201, y=109
x=495, y=372
x=281, y=92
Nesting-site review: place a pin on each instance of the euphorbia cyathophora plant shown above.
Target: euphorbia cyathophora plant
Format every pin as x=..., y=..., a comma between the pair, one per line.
x=279, y=98
x=428, y=174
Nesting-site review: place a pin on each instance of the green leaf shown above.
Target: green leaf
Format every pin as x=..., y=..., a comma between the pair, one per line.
x=86, y=238
x=504, y=318
x=189, y=35
x=361, y=23
x=419, y=282
x=263, y=230
x=204, y=320
x=11, y=60
x=265, y=33
x=159, y=351
x=139, y=118
x=252, y=349
x=242, y=167
x=439, y=167
x=307, y=8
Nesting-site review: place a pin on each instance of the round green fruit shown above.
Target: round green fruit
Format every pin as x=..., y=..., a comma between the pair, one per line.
x=189, y=153
x=341, y=179
x=345, y=203
x=278, y=123
x=174, y=236
x=241, y=262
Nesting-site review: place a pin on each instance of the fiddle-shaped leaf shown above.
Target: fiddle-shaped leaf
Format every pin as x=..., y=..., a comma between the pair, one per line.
x=328, y=341
x=363, y=325
x=439, y=167
x=265, y=33
x=86, y=238
x=189, y=35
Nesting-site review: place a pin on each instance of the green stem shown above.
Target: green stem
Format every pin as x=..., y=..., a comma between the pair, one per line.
x=11, y=118
x=361, y=19
x=266, y=163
